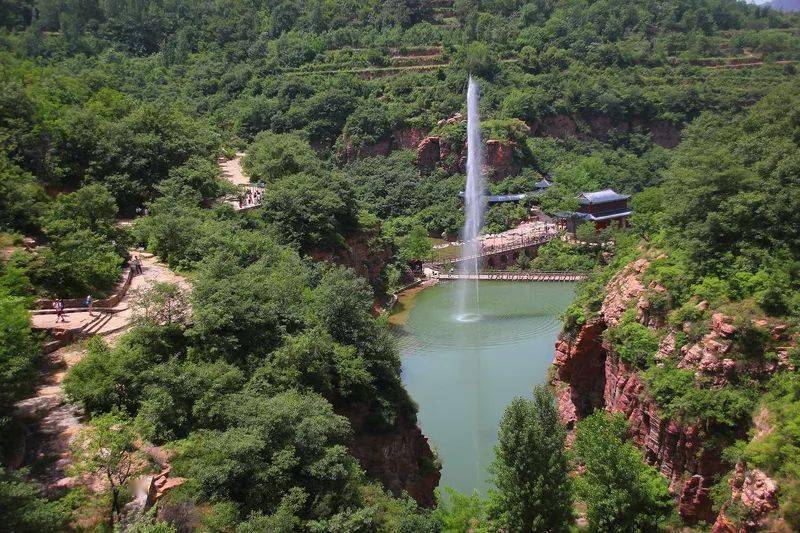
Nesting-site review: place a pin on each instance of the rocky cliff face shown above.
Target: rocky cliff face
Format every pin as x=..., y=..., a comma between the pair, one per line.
x=757, y=494
x=599, y=126
x=401, y=139
x=590, y=376
x=500, y=161
x=400, y=458
x=364, y=254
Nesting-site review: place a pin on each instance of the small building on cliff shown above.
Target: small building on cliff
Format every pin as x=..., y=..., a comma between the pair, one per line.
x=603, y=208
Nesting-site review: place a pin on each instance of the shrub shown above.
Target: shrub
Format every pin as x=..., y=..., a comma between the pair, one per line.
x=632, y=342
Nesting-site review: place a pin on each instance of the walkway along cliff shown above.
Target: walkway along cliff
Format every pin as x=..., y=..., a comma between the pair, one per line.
x=589, y=375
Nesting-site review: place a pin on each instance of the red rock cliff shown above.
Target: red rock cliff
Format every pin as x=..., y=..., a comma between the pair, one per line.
x=501, y=159
x=400, y=458
x=589, y=376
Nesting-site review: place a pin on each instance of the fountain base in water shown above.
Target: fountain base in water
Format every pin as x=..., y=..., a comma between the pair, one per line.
x=468, y=317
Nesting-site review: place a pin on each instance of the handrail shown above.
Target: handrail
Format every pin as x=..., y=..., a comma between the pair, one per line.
x=516, y=245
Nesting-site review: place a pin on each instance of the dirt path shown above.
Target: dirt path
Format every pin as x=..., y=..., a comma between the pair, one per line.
x=152, y=272
x=51, y=421
x=232, y=170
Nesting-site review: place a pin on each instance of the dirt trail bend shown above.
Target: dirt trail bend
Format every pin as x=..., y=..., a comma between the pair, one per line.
x=52, y=421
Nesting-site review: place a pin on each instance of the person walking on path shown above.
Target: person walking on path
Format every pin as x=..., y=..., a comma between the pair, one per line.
x=89, y=302
x=137, y=264
x=59, y=306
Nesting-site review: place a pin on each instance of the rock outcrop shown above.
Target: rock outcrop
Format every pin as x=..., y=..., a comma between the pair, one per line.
x=589, y=376
x=362, y=252
x=500, y=161
x=600, y=126
x=400, y=458
x=408, y=138
x=350, y=152
x=428, y=153
x=757, y=494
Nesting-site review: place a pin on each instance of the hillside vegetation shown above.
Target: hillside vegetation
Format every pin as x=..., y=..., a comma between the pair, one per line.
x=111, y=107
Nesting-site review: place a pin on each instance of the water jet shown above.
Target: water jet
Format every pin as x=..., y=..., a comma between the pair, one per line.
x=474, y=209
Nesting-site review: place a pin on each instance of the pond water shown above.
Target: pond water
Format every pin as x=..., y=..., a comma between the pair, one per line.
x=462, y=374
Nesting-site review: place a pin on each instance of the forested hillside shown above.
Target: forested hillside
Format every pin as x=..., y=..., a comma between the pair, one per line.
x=276, y=393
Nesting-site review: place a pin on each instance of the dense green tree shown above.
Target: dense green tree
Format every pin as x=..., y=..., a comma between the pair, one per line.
x=90, y=208
x=19, y=353
x=621, y=492
x=277, y=446
x=530, y=468
x=22, y=200
x=22, y=509
x=312, y=211
x=415, y=245
x=274, y=156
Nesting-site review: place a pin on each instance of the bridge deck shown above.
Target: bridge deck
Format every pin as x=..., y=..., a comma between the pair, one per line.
x=489, y=251
x=516, y=276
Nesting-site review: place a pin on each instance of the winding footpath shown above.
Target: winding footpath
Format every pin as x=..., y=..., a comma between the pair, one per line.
x=52, y=422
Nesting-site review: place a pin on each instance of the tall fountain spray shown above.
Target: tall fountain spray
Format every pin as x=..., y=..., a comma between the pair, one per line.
x=474, y=207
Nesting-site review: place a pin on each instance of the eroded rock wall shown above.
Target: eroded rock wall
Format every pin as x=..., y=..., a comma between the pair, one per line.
x=589, y=376
x=600, y=126
x=501, y=159
x=400, y=458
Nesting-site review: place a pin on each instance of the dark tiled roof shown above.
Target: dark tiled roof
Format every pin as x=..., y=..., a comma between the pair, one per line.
x=600, y=197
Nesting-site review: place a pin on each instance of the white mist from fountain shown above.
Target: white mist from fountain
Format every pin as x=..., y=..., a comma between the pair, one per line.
x=474, y=208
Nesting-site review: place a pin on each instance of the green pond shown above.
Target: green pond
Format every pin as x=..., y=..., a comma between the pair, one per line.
x=462, y=374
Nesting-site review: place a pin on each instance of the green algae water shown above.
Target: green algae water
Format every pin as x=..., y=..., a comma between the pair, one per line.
x=462, y=374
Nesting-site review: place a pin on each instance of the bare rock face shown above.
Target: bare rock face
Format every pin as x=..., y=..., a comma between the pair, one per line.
x=428, y=154
x=589, y=376
x=757, y=493
x=352, y=153
x=580, y=364
x=362, y=254
x=408, y=138
x=400, y=458
x=624, y=287
x=600, y=126
x=723, y=524
x=501, y=160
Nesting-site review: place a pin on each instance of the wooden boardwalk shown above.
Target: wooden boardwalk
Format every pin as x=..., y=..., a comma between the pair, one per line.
x=516, y=276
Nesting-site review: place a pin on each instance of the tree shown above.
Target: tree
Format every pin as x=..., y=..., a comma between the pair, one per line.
x=311, y=210
x=415, y=245
x=530, y=468
x=477, y=58
x=107, y=446
x=275, y=446
x=19, y=353
x=91, y=207
x=22, y=200
x=273, y=156
x=162, y=304
x=22, y=510
x=621, y=492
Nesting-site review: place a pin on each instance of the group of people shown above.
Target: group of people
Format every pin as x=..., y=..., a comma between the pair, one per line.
x=142, y=212
x=135, y=262
x=251, y=198
x=58, y=305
